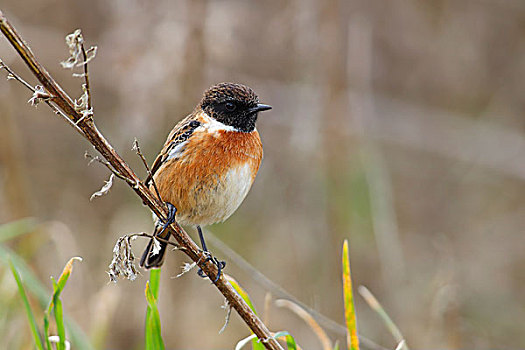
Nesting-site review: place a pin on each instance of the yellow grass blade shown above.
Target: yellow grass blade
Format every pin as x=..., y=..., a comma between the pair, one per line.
x=351, y=336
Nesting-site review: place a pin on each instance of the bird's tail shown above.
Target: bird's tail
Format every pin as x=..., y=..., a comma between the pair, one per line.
x=153, y=256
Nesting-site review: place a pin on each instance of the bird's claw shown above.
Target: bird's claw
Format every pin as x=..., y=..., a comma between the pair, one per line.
x=171, y=216
x=220, y=266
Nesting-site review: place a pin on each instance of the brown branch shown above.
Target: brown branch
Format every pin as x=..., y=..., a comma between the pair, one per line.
x=62, y=100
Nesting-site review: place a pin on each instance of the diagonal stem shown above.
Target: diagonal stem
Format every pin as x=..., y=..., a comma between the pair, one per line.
x=86, y=74
x=91, y=133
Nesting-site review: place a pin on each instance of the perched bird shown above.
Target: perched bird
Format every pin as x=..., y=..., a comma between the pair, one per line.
x=207, y=164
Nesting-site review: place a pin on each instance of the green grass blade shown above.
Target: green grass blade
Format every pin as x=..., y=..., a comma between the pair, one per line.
x=62, y=280
x=55, y=305
x=16, y=228
x=46, y=331
x=256, y=345
x=59, y=316
x=64, y=276
x=29, y=312
x=290, y=341
x=154, y=280
x=152, y=329
x=351, y=338
x=36, y=288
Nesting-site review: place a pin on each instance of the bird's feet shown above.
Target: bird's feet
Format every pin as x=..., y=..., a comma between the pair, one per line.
x=220, y=265
x=171, y=216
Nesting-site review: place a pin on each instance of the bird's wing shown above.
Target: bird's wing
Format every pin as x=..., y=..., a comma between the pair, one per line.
x=174, y=143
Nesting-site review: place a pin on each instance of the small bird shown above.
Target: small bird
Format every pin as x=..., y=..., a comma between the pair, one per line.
x=207, y=165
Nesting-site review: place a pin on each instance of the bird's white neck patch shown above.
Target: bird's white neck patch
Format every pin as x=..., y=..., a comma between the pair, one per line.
x=213, y=126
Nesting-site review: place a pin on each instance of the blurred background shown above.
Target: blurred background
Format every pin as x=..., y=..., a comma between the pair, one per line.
x=396, y=124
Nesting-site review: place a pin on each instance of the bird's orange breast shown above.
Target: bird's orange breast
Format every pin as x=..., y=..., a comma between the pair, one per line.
x=212, y=175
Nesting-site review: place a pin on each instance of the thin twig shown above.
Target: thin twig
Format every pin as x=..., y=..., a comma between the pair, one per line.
x=64, y=102
x=107, y=165
x=14, y=76
x=136, y=148
x=227, y=317
x=86, y=74
x=160, y=239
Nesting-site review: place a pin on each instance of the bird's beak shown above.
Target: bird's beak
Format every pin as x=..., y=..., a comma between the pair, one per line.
x=259, y=108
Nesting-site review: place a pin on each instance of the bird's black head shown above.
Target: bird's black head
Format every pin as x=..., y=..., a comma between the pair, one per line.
x=233, y=104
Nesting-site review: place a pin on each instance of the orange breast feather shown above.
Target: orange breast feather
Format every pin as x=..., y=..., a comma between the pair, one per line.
x=212, y=175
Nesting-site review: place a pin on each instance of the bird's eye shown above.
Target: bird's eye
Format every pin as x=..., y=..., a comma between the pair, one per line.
x=230, y=107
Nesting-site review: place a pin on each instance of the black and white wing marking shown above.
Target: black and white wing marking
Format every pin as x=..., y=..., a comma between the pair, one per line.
x=175, y=143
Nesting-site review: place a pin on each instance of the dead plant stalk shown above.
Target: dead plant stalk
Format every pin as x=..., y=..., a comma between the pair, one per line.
x=63, y=102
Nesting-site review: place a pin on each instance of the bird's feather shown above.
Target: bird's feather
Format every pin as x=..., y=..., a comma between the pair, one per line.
x=177, y=137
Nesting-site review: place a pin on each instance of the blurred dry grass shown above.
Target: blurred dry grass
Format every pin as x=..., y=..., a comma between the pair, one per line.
x=397, y=124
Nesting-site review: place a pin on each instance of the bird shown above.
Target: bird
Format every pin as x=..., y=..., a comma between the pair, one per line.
x=207, y=165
